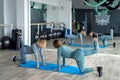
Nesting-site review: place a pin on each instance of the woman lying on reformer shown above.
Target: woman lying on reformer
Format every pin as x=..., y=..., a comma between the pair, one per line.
x=78, y=55
x=36, y=48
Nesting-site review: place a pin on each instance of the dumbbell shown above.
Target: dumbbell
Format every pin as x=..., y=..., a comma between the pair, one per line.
x=41, y=35
x=54, y=34
x=45, y=35
x=49, y=34
x=60, y=34
x=57, y=34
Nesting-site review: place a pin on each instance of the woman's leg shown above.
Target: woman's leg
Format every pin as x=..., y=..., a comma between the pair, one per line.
x=23, y=52
x=88, y=52
x=95, y=44
x=41, y=55
x=64, y=61
x=104, y=42
x=82, y=68
x=91, y=51
x=105, y=37
x=36, y=58
x=81, y=38
x=79, y=57
x=71, y=40
x=36, y=52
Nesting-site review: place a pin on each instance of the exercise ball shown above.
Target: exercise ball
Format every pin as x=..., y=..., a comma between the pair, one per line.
x=6, y=41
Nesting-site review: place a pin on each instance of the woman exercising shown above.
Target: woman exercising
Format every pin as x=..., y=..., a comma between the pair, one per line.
x=102, y=37
x=78, y=55
x=80, y=33
x=36, y=48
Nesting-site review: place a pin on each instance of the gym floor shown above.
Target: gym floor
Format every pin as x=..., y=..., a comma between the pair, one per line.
x=108, y=57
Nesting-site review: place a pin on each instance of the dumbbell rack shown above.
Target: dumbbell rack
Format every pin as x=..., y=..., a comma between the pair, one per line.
x=46, y=34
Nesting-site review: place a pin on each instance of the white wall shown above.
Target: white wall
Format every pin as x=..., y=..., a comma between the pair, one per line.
x=52, y=14
x=20, y=14
x=1, y=19
x=64, y=13
x=49, y=2
x=1, y=12
x=9, y=15
x=23, y=19
x=61, y=13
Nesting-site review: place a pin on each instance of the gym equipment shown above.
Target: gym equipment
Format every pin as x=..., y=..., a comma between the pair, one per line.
x=15, y=34
x=58, y=34
x=36, y=36
x=6, y=42
x=0, y=45
x=41, y=35
x=53, y=34
x=41, y=32
x=20, y=41
x=52, y=67
x=114, y=44
x=45, y=35
x=49, y=35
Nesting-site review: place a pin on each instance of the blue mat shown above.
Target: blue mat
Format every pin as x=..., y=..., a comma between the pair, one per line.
x=102, y=46
x=51, y=67
x=78, y=45
x=88, y=45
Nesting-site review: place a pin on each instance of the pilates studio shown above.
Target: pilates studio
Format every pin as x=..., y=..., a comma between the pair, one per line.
x=59, y=39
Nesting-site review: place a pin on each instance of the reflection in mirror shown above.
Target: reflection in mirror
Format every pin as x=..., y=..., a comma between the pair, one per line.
x=44, y=21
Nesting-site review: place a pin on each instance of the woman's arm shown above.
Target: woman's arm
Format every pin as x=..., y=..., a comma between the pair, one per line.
x=64, y=61
x=36, y=51
x=58, y=59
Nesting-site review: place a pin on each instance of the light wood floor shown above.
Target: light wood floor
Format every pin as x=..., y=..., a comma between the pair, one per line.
x=109, y=58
